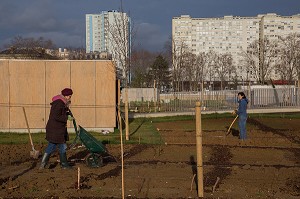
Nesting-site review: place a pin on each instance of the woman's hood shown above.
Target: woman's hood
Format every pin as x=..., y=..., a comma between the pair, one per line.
x=59, y=97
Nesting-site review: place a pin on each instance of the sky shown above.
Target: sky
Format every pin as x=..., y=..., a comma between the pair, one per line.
x=63, y=21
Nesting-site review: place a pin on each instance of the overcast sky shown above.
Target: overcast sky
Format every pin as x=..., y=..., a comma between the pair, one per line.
x=63, y=21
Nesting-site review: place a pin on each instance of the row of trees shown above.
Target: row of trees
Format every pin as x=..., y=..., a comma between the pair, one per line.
x=30, y=43
x=148, y=68
x=29, y=48
x=269, y=58
x=177, y=66
x=263, y=60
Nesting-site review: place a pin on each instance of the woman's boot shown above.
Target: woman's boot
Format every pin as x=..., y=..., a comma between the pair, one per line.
x=45, y=160
x=63, y=161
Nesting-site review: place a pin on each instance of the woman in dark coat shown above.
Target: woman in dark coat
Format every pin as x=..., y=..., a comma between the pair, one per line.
x=56, y=128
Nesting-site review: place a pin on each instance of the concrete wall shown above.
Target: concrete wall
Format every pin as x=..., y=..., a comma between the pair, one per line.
x=33, y=83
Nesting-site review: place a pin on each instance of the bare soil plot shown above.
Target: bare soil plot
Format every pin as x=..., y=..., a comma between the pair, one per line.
x=266, y=166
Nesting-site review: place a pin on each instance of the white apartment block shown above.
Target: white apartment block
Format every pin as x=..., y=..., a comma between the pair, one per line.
x=230, y=34
x=102, y=34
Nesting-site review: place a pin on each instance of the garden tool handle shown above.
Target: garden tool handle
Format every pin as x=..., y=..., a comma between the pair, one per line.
x=28, y=128
x=228, y=131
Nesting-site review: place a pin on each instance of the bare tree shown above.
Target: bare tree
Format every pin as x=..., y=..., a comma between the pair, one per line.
x=186, y=66
x=287, y=64
x=141, y=60
x=193, y=69
x=120, y=34
x=30, y=43
x=260, y=58
x=200, y=67
x=179, y=51
x=211, y=65
x=176, y=51
x=224, y=67
x=31, y=48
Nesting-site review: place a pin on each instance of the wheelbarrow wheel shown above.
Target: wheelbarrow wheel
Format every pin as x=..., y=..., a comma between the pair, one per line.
x=94, y=160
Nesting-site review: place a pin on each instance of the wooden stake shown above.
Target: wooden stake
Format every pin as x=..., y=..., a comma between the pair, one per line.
x=215, y=185
x=139, y=137
x=78, y=179
x=202, y=91
x=122, y=164
x=193, y=181
x=119, y=102
x=126, y=115
x=199, y=149
x=154, y=95
x=141, y=186
x=122, y=148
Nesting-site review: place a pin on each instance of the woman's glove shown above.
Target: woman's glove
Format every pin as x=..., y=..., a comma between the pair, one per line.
x=70, y=118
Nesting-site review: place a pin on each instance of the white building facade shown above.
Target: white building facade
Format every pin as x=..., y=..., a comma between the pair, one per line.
x=230, y=34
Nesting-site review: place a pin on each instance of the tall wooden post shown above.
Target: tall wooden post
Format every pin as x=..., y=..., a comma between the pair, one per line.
x=298, y=90
x=249, y=93
x=154, y=95
x=202, y=91
x=121, y=138
x=199, y=149
x=119, y=105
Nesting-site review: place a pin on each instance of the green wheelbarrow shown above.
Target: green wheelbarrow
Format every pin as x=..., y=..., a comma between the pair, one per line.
x=96, y=149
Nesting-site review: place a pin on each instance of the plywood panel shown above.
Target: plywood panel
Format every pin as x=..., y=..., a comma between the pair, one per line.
x=57, y=78
x=27, y=88
x=83, y=84
x=33, y=83
x=105, y=94
x=4, y=93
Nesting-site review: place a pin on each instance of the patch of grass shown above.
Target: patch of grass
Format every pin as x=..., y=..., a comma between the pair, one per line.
x=172, y=118
x=19, y=138
x=142, y=130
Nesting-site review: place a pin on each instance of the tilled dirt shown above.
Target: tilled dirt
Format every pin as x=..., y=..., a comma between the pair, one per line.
x=266, y=166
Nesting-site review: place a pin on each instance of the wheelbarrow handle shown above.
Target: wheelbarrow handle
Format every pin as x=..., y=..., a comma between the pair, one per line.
x=74, y=121
x=76, y=130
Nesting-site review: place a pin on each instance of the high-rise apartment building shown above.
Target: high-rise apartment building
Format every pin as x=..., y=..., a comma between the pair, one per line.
x=109, y=32
x=230, y=34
